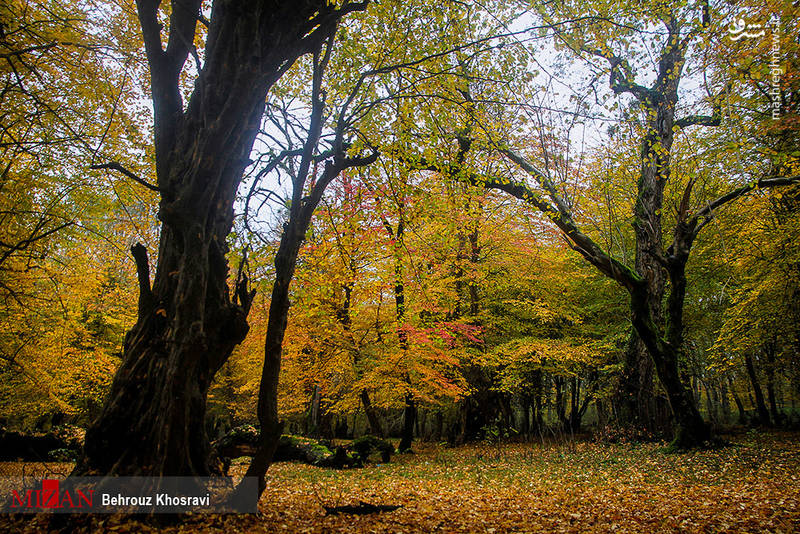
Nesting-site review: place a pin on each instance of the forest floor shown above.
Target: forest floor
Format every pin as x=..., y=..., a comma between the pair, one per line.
x=753, y=485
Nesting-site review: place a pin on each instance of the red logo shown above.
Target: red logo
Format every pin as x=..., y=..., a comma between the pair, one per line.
x=49, y=496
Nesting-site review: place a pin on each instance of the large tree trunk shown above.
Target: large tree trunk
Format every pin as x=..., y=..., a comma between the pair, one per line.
x=636, y=394
x=690, y=428
x=153, y=420
x=653, y=263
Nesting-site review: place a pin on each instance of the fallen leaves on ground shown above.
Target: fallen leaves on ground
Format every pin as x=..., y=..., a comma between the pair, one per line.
x=750, y=486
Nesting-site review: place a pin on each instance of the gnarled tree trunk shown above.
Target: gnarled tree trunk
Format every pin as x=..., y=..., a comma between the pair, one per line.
x=188, y=324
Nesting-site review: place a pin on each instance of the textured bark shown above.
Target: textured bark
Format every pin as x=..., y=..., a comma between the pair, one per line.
x=636, y=397
x=653, y=265
x=662, y=336
x=188, y=323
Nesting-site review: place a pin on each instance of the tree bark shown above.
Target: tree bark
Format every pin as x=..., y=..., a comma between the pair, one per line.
x=409, y=416
x=374, y=421
x=769, y=371
x=153, y=420
x=761, y=408
x=738, y=401
x=636, y=392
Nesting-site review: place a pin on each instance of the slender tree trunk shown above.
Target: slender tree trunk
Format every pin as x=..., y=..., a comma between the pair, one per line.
x=769, y=371
x=726, y=403
x=761, y=408
x=346, y=321
x=153, y=420
x=410, y=409
x=374, y=421
x=561, y=408
x=409, y=415
x=525, y=404
x=271, y=426
x=314, y=419
x=463, y=420
x=602, y=416
x=474, y=257
x=738, y=401
x=711, y=406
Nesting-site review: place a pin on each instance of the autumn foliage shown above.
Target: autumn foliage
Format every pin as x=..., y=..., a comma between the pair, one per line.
x=534, y=243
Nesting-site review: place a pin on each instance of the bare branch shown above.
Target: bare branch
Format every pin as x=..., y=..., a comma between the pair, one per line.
x=707, y=212
x=33, y=237
x=116, y=166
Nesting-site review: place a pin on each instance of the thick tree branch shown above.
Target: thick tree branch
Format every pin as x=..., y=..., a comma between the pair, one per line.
x=182, y=25
x=116, y=166
x=707, y=212
x=621, y=77
x=704, y=120
x=582, y=243
x=139, y=253
x=715, y=119
x=151, y=30
x=540, y=177
x=578, y=241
